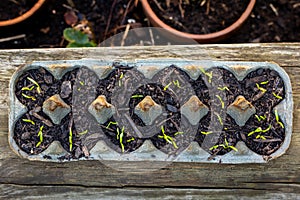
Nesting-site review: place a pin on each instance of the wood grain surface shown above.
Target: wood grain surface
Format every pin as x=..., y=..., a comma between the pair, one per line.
x=278, y=179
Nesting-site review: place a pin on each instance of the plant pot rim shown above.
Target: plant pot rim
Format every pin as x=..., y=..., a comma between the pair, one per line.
x=24, y=16
x=210, y=37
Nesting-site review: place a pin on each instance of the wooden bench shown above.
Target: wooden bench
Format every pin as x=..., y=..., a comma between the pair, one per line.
x=280, y=178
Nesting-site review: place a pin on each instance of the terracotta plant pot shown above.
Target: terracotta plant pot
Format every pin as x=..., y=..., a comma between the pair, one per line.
x=24, y=16
x=202, y=38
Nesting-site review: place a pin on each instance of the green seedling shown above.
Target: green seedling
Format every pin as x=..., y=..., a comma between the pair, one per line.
x=167, y=86
x=83, y=132
x=178, y=133
x=277, y=96
x=118, y=132
x=130, y=140
x=120, y=136
x=27, y=88
x=260, y=137
x=137, y=96
x=176, y=83
x=29, y=121
x=277, y=119
x=223, y=88
x=111, y=123
x=77, y=38
x=40, y=135
x=28, y=97
x=264, y=82
x=208, y=74
x=71, y=138
x=38, y=88
x=168, y=138
x=261, y=117
x=219, y=118
x=206, y=133
x=263, y=90
x=225, y=146
x=81, y=83
x=120, y=78
x=221, y=100
x=260, y=130
x=121, y=140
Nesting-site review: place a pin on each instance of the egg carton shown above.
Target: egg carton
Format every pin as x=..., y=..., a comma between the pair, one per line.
x=147, y=151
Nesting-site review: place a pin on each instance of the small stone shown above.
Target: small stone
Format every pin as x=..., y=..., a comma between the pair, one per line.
x=171, y=108
x=148, y=110
x=48, y=79
x=241, y=110
x=66, y=89
x=56, y=108
x=25, y=136
x=194, y=110
x=101, y=109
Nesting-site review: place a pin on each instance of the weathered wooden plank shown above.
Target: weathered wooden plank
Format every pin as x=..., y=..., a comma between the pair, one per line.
x=277, y=174
x=77, y=192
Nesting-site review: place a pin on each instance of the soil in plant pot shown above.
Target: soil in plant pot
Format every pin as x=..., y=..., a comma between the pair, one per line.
x=199, y=16
x=10, y=9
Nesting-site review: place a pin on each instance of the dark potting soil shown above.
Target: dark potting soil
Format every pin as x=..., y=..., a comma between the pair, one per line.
x=199, y=17
x=125, y=87
x=270, y=21
x=11, y=9
x=263, y=133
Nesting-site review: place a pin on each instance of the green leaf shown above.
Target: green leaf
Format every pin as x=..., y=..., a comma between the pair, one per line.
x=74, y=45
x=75, y=36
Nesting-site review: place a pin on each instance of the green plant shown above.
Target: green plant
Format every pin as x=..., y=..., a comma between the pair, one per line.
x=277, y=119
x=176, y=83
x=167, y=86
x=29, y=121
x=260, y=130
x=27, y=88
x=221, y=100
x=276, y=95
x=77, y=38
x=71, y=139
x=120, y=78
x=261, y=117
x=223, y=88
x=168, y=138
x=38, y=88
x=29, y=97
x=120, y=136
x=40, y=135
x=263, y=90
x=219, y=118
x=111, y=123
x=130, y=140
x=225, y=146
x=208, y=74
x=178, y=133
x=83, y=132
x=206, y=132
x=137, y=96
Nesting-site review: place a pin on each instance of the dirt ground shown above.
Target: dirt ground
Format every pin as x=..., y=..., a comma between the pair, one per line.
x=270, y=21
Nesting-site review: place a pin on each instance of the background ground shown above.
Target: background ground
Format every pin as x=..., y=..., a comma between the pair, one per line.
x=270, y=21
